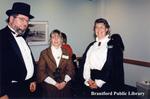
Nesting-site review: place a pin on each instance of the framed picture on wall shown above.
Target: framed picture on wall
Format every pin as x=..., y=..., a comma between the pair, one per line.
x=37, y=33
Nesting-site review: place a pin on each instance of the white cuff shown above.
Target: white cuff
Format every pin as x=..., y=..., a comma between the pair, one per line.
x=100, y=83
x=50, y=80
x=67, y=78
x=86, y=82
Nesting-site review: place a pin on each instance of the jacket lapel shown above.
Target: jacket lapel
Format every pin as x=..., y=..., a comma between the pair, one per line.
x=63, y=58
x=14, y=45
x=51, y=57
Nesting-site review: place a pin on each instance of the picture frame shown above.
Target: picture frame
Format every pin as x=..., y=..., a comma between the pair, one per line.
x=37, y=33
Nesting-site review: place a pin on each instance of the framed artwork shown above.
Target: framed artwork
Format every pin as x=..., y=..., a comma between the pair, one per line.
x=37, y=33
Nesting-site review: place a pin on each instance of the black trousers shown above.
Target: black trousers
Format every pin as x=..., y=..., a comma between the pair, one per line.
x=19, y=90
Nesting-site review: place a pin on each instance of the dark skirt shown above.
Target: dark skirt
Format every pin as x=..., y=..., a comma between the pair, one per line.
x=51, y=92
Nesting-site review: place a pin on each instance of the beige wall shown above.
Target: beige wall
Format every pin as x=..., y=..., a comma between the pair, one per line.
x=74, y=17
x=130, y=18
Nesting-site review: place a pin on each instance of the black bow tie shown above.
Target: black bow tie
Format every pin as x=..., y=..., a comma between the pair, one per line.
x=99, y=44
x=19, y=36
x=16, y=34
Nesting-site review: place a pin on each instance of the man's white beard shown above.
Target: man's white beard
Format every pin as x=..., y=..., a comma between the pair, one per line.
x=20, y=32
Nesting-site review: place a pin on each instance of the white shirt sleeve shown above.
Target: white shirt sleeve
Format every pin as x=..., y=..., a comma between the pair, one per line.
x=50, y=80
x=99, y=83
x=86, y=82
x=67, y=78
x=86, y=70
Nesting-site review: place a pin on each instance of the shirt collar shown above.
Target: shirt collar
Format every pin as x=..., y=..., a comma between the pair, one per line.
x=54, y=48
x=13, y=31
x=105, y=39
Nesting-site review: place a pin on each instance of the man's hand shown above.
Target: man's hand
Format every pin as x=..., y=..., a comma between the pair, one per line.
x=32, y=86
x=4, y=97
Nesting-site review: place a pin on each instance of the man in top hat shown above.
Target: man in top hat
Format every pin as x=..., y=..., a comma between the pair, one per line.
x=17, y=66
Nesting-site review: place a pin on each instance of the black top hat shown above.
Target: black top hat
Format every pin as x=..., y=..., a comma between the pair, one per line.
x=20, y=8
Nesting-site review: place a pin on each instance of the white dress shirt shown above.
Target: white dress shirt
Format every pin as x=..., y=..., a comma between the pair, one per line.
x=95, y=59
x=26, y=54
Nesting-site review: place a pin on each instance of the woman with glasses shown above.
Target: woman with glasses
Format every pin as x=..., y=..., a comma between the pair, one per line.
x=55, y=68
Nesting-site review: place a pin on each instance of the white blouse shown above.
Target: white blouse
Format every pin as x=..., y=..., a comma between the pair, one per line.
x=95, y=59
x=57, y=52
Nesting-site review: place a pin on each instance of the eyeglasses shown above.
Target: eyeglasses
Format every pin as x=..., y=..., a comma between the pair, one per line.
x=22, y=19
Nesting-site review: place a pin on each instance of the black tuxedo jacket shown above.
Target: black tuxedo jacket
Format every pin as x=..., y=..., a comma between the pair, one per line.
x=112, y=72
x=12, y=66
